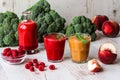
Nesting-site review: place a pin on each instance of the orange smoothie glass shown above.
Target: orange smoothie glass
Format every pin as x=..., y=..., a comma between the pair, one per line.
x=79, y=47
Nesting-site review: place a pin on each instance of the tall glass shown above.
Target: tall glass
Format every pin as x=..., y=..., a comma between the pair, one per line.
x=54, y=44
x=79, y=47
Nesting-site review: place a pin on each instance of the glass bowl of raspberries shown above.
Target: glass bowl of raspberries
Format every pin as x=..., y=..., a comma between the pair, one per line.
x=13, y=56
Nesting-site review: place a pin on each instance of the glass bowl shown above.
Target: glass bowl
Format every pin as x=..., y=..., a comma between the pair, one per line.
x=11, y=60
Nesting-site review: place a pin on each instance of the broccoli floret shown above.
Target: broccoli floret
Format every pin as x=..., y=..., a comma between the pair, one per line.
x=78, y=28
x=70, y=30
x=2, y=17
x=16, y=35
x=83, y=19
x=34, y=13
x=6, y=25
x=76, y=20
x=43, y=28
x=1, y=36
x=14, y=23
x=48, y=18
x=54, y=14
x=93, y=36
x=11, y=15
x=8, y=28
x=58, y=21
x=81, y=24
x=8, y=39
x=52, y=28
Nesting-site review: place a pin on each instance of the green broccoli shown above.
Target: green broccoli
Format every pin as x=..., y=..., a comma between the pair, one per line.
x=70, y=30
x=1, y=36
x=8, y=28
x=78, y=28
x=8, y=39
x=2, y=17
x=52, y=28
x=81, y=24
x=47, y=20
x=54, y=14
x=76, y=20
x=11, y=15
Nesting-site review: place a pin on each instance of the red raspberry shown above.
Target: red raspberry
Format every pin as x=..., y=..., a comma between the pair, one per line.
x=52, y=67
x=14, y=53
x=9, y=53
x=30, y=63
x=27, y=66
x=35, y=61
x=36, y=65
x=20, y=49
x=5, y=51
x=32, y=69
x=42, y=63
x=20, y=55
x=4, y=54
x=41, y=68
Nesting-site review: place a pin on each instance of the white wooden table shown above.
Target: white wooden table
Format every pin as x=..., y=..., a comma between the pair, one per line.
x=66, y=70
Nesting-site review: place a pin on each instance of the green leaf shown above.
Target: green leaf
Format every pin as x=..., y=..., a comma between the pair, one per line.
x=59, y=36
x=81, y=38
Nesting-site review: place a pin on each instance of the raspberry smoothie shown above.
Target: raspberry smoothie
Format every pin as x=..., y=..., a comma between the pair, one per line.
x=54, y=44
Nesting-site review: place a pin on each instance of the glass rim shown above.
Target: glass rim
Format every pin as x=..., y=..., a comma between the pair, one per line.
x=54, y=33
x=83, y=34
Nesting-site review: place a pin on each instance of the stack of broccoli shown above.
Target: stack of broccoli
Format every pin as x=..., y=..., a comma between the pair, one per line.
x=8, y=29
x=47, y=20
x=81, y=24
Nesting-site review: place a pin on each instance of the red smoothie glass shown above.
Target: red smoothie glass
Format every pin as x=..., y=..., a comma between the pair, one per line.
x=54, y=44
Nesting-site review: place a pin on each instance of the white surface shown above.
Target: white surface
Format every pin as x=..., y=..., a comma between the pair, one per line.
x=66, y=70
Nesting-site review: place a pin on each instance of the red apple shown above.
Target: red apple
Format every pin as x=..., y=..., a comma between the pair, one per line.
x=93, y=66
x=110, y=28
x=107, y=53
x=98, y=20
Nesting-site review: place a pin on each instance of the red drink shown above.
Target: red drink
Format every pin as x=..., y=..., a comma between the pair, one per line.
x=54, y=46
x=27, y=35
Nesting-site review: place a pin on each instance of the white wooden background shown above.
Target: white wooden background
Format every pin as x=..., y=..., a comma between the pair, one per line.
x=69, y=8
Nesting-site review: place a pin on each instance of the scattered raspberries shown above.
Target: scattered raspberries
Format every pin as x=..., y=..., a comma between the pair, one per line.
x=13, y=55
x=34, y=64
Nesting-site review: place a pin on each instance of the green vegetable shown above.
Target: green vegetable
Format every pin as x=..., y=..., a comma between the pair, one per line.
x=59, y=36
x=48, y=21
x=8, y=29
x=81, y=24
x=70, y=30
x=81, y=38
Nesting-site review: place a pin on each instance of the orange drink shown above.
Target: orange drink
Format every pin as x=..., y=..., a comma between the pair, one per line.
x=79, y=47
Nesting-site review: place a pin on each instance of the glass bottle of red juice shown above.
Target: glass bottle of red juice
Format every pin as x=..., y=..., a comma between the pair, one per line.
x=27, y=33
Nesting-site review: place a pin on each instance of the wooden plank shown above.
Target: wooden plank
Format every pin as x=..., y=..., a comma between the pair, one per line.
x=19, y=6
x=6, y=5
x=3, y=75
x=69, y=8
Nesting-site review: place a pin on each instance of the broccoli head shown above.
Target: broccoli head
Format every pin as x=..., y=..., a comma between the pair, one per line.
x=81, y=24
x=47, y=20
x=8, y=28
